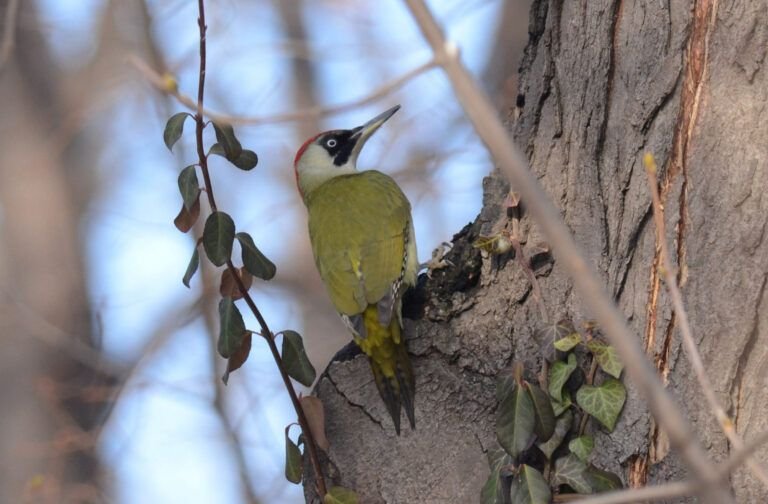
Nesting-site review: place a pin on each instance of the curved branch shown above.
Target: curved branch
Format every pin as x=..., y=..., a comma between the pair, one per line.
x=167, y=84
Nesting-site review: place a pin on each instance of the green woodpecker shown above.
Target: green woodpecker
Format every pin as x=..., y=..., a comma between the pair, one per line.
x=362, y=238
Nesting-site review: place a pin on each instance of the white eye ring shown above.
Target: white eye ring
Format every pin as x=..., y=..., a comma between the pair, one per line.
x=331, y=143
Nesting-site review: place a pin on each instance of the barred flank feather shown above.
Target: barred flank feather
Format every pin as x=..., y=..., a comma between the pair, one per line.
x=390, y=364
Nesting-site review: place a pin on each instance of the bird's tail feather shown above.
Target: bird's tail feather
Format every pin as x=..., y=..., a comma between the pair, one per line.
x=391, y=366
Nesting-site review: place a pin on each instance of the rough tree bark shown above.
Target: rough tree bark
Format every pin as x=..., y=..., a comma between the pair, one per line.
x=601, y=83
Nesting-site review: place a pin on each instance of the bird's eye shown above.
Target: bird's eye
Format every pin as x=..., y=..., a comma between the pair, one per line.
x=331, y=142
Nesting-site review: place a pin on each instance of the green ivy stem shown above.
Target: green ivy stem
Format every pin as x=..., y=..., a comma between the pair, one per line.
x=266, y=332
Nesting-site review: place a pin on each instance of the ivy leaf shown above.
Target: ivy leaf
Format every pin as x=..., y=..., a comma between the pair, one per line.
x=607, y=357
x=515, y=421
x=228, y=286
x=295, y=358
x=604, y=402
x=292, y=459
x=562, y=426
x=494, y=488
x=231, y=330
x=559, y=407
x=340, y=495
x=189, y=186
x=567, y=343
x=255, y=262
x=174, y=128
x=238, y=358
x=218, y=236
x=187, y=217
x=505, y=384
x=582, y=446
x=558, y=376
x=547, y=335
x=542, y=408
x=602, y=481
x=571, y=471
x=531, y=487
x=194, y=262
x=225, y=136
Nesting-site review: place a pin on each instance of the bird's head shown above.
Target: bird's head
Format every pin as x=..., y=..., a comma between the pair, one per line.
x=333, y=153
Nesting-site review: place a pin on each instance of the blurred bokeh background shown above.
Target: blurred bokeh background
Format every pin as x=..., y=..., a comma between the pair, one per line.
x=110, y=386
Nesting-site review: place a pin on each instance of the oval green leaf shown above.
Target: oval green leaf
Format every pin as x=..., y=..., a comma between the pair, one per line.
x=295, y=359
x=531, y=487
x=582, y=446
x=194, y=262
x=562, y=426
x=218, y=150
x=218, y=237
x=603, y=402
x=606, y=357
x=189, y=187
x=515, y=422
x=231, y=328
x=340, y=495
x=558, y=376
x=254, y=261
x=174, y=128
x=293, y=469
x=225, y=136
x=247, y=160
x=545, y=416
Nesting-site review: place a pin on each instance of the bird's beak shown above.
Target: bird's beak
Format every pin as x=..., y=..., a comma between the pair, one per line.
x=364, y=132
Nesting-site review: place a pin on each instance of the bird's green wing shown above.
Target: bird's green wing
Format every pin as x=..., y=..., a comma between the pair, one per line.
x=358, y=225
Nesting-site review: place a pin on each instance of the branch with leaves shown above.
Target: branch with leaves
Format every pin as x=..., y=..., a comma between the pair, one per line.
x=219, y=236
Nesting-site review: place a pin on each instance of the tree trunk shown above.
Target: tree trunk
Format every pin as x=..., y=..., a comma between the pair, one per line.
x=602, y=82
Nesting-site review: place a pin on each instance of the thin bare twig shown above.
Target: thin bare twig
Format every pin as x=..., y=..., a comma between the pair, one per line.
x=168, y=85
x=670, y=279
x=742, y=454
x=9, y=32
x=645, y=494
x=265, y=330
x=481, y=113
x=668, y=490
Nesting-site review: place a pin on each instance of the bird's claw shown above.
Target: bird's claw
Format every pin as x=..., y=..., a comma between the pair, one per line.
x=438, y=260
